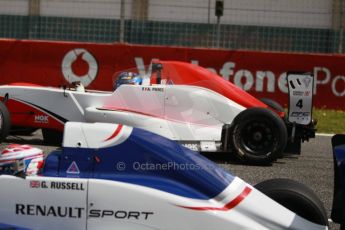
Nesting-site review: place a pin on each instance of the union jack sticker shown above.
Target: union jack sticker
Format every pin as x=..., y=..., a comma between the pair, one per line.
x=35, y=184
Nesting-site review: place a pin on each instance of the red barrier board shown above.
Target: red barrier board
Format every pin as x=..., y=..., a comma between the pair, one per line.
x=263, y=74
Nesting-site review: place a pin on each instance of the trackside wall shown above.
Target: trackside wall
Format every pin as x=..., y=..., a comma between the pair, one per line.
x=261, y=73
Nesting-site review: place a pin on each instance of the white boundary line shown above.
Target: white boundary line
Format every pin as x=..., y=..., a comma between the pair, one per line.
x=325, y=134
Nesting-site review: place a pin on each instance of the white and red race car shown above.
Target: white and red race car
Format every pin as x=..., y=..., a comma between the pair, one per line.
x=112, y=176
x=177, y=100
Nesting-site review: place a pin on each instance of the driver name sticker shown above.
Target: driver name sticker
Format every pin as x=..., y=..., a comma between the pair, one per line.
x=300, y=87
x=152, y=89
x=58, y=185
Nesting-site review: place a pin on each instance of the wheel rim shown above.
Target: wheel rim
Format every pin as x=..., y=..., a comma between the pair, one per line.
x=258, y=138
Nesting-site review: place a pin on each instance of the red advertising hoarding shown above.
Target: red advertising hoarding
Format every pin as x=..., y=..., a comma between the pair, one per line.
x=263, y=74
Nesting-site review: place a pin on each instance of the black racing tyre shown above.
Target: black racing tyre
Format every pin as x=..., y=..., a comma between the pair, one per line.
x=273, y=104
x=296, y=197
x=5, y=121
x=52, y=137
x=258, y=136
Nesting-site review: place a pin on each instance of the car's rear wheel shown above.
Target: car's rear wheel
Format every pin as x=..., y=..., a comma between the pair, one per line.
x=273, y=104
x=296, y=197
x=52, y=137
x=5, y=121
x=258, y=136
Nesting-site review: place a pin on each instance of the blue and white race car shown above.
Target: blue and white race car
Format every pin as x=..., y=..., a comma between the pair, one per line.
x=338, y=207
x=111, y=176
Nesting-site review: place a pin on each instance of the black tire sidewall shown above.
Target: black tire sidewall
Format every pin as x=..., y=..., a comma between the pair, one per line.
x=272, y=104
x=277, y=126
x=296, y=197
x=6, y=122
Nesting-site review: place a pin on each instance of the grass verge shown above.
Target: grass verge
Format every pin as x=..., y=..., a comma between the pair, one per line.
x=329, y=121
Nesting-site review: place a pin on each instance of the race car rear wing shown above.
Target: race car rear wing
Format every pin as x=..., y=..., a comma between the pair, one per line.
x=299, y=121
x=300, y=88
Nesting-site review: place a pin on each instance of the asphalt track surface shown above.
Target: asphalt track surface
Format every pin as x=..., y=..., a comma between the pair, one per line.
x=314, y=167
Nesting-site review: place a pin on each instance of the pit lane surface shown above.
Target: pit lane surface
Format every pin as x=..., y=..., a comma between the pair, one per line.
x=314, y=167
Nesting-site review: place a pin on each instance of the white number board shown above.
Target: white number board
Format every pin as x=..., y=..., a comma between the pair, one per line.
x=300, y=87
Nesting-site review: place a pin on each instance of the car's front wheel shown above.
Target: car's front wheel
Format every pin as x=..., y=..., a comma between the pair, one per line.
x=258, y=136
x=296, y=197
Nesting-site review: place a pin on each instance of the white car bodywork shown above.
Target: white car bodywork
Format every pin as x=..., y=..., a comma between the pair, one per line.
x=179, y=101
x=183, y=113
x=44, y=202
x=102, y=204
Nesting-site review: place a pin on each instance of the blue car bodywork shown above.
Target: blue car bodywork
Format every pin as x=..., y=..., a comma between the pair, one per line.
x=338, y=207
x=139, y=160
